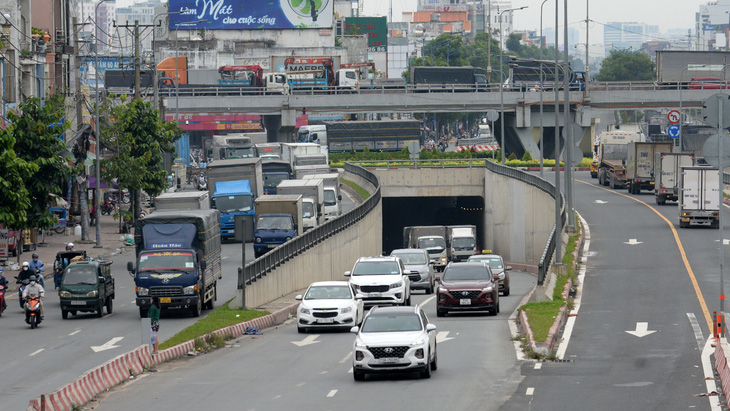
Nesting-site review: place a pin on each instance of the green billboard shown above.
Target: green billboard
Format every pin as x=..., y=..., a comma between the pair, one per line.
x=375, y=27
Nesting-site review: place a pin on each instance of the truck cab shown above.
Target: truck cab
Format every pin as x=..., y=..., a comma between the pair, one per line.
x=272, y=230
x=87, y=286
x=276, y=83
x=436, y=248
x=312, y=134
x=232, y=198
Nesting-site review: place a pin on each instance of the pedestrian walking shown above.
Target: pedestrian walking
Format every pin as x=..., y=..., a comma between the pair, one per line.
x=154, y=314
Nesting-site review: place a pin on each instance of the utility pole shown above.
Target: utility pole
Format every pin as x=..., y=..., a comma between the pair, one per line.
x=137, y=60
x=83, y=186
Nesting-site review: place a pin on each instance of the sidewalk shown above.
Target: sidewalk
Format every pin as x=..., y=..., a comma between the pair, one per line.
x=51, y=244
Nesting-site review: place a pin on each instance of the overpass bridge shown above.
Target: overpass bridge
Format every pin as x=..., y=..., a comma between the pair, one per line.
x=521, y=108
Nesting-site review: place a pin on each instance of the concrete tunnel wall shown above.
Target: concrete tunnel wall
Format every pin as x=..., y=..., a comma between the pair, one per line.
x=325, y=261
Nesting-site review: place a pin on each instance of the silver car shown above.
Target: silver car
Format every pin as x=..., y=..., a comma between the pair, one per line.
x=416, y=260
x=496, y=263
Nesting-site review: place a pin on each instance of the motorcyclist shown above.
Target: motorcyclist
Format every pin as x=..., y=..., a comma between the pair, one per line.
x=201, y=180
x=24, y=273
x=36, y=266
x=34, y=288
x=4, y=283
x=70, y=247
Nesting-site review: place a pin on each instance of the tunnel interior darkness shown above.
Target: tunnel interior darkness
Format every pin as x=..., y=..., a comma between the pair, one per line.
x=399, y=212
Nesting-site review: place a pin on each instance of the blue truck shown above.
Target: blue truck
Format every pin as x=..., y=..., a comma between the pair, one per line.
x=228, y=192
x=178, y=260
x=278, y=220
x=274, y=172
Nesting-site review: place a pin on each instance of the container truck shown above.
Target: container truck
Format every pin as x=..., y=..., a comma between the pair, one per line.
x=312, y=192
x=236, y=169
x=675, y=67
x=289, y=151
x=313, y=134
x=183, y=200
x=699, y=197
x=274, y=172
x=232, y=198
x=332, y=194
x=383, y=135
x=448, y=79
x=612, y=152
x=667, y=167
x=278, y=220
x=639, y=164
x=462, y=241
x=527, y=75
x=231, y=146
x=178, y=259
x=430, y=238
x=305, y=164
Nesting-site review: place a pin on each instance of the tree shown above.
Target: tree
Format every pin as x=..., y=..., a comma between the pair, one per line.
x=139, y=139
x=513, y=42
x=14, y=171
x=625, y=65
x=38, y=133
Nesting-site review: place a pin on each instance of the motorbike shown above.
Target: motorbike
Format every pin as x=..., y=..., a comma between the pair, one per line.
x=23, y=284
x=203, y=185
x=33, y=310
x=107, y=208
x=2, y=299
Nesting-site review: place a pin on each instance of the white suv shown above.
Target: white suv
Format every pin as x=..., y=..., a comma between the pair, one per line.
x=381, y=280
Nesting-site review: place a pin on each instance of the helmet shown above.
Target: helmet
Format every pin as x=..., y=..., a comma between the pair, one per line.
x=69, y=246
x=35, y=255
x=25, y=264
x=32, y=278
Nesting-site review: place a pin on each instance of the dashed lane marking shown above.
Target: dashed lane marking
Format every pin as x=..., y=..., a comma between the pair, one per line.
x=530, y=391
x=331, y=393
x=75, y=332
x=538, y=365
x=37, y=352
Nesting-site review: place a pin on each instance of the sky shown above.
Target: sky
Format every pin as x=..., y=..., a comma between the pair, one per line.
x=666, y=14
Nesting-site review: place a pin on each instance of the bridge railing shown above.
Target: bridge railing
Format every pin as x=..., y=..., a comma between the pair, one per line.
x=297, y=245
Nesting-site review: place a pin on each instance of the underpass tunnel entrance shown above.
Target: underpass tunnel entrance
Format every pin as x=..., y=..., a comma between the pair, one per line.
x=399, y=212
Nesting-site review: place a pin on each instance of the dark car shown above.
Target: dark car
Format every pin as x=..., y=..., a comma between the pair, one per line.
x=467, y=287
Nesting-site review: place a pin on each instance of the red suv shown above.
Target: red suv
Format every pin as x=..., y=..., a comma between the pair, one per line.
x=467, y=287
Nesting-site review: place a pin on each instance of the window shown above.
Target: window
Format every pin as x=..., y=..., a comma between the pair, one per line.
x=376, y=268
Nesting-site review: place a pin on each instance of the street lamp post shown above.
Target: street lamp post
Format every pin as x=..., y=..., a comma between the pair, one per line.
x=154, y=58
x=558, y=226
x=501, y=83
x=177, y=74
x=542, y=43
x=97, y=130
x=489, y=45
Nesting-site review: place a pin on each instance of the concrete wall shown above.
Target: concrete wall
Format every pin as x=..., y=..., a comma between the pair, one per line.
x=325, y=261
x=431, y=182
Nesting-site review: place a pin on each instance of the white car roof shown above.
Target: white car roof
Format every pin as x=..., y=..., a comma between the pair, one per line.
x=329, y=283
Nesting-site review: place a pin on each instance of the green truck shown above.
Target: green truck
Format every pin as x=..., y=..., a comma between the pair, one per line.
x=87, y=286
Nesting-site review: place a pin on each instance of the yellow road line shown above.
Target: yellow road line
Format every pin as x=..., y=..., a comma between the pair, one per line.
x=691, y=273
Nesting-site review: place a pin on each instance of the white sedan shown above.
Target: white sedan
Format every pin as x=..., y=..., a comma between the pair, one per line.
x=329, y=304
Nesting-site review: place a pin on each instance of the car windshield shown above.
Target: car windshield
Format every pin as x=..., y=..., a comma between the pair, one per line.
x=465, y=273
x=273, y=180
x=463, y=243
x=307, y=210
x=436, y=242
x=80, y=275
x=331, y=292
x=376, y=268
x=240, y=152
x=274, y=223
x=232, y=204
x=329, y=197
x=167, y=261
x=412, y=258
x=494, y=263
x=392, y=322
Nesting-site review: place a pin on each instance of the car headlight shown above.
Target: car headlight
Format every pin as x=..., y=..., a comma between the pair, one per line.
x=359, y=344
x=487, y=290
x=443, y=259
x=304, y=310
x=357, y=287
x=419, y=342
x=190, y=289
x=92, y=294
x=442, y=290
x=396, y=285
x=141, y=291
x=65, y=294
x=346, y=310
x=258, y=239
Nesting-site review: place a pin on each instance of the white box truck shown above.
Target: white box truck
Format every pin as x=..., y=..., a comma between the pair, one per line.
x=312, y=192
x=666, y=173
x=332, y=193
x=462, y=242
x=699, y=197
x=183, y=200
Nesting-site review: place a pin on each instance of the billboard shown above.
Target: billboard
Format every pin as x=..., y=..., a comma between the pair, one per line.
x=375, y=27
x=250, y=14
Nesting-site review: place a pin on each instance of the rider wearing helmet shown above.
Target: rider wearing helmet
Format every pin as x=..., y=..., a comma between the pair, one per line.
x=4, y=283
x=70, y=247
x=25, y=273
x=34, y=288
x=36, y=266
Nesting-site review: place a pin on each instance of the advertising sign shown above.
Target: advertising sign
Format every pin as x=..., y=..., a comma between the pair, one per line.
x=4, y=237
x=250, y=14
x=375, y=27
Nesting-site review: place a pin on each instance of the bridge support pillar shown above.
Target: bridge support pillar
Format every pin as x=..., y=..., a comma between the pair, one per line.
x=280, y=127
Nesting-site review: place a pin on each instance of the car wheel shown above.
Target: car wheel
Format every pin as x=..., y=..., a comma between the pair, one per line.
x=408, y=300
x=426, y=373
x=100, y=310
x=430, y=288
x=435, y=362
x=440, y=312
x=109, y=305
x=505, y=292
x=197, y=308
x=64, y=314
x=358, y=375
x=301, y=330
x=142, y=312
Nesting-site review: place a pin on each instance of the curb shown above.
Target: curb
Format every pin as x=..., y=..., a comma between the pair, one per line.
x=721, y=365
x=125, y=366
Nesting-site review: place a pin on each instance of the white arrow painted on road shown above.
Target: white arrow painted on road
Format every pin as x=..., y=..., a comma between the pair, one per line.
x=642, y=330
x=307, y=341
x=632, y=241
x=601, y=202
x=107, y=345
x=442, y=336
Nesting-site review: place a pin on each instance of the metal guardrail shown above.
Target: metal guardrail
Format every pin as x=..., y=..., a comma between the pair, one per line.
x=263, y=265
x=435, y=163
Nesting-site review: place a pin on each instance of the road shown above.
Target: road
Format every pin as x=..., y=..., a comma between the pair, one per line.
x=59, y=351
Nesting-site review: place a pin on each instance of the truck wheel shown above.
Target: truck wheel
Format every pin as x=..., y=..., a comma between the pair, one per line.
x=143, y=312
x=197, y=308
x=715, y=224
x=209, y=304
x=683, y=224
x=109, y=306
x=64, y=314
x=100, y=310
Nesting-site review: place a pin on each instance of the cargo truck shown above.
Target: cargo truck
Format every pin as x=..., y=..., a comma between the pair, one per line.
x=462, y=242
x=274, y=172
x=612, y=152
x=667, y=167
x=383, y=135
x=675, y=67
x=699, y=197
x=236, y=169
x=178, y=259
x=289, y=151
x=270, y=151
x=305, y=164
x=639, y=164
x=332, y=194
x=448, y=79
x=232, y=198
x=312, y=192
x=430, y=238
x=183, y=200
x=231, y=146
x=531, y=75
x=278, y=220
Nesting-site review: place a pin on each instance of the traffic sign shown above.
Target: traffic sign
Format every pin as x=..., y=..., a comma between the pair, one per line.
x=673, y=116
x=673, y=131
x=709, y=149
x=492, y=115
x=710, y=110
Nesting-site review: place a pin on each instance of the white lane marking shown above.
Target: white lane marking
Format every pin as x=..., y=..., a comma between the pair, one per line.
x=530, y=391
x=427, y=300
x=538, y=365
x=331, y=393
x=342, y=361
x=107, y=345
x=642, y=330
x=349, y=370
x=633, y=241
x=573, y=315
x=442, y=336
x=708, y=371
x=75, y=332
x=697, y=330
x=132, y=302
x=300, y=384
x=309, y=340
x=37, y=352
x=601, y=202
x=276, y=397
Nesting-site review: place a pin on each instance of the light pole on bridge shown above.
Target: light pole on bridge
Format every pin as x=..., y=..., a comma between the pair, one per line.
x=501, y=84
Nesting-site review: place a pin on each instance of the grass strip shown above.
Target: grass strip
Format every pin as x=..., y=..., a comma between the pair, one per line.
x=359, y=190
x=221, y=317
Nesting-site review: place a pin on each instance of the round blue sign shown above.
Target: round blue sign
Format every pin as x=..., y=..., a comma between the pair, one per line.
x=673, y=131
